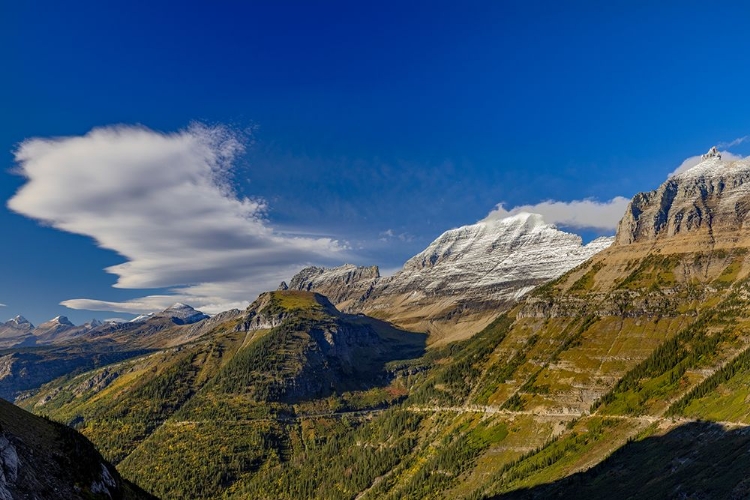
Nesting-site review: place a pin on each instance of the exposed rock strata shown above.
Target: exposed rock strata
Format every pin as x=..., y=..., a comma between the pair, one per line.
x=707, y=204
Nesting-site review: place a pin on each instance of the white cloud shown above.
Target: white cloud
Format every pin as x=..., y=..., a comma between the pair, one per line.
x=3, y=305
x=390, y=234
x=735, y=142
x=580, y=214
x=166, y=204
x=694, y=160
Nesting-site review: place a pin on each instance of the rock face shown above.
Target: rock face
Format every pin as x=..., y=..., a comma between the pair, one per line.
x=42, y=459
x=345, y=285
x=707, y=204
x=466, y=275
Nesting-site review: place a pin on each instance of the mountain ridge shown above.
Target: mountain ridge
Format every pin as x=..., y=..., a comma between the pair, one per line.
x=638, y=345
x=458, y=284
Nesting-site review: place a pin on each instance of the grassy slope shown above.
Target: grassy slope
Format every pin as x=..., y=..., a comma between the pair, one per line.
x=533, y=398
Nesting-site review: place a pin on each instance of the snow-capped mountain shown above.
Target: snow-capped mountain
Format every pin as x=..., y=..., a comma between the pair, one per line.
x=495, y=259
x=15, y=331
x=180, y=314
x=469, y=272
x=57, y=323
x=19, y=322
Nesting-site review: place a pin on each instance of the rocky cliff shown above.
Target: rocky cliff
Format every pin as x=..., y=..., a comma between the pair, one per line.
x=344, y=285
x=707, y=204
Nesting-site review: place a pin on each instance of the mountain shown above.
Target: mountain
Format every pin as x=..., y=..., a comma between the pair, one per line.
x=44, y=459
x=626, y=376
x=291, y=357
x=58, y=347
x=458, y=283
x=343, y=285
x=705, y=205
x=20, y=332
x=179, y=314
x=57, y=329
x=15, y=331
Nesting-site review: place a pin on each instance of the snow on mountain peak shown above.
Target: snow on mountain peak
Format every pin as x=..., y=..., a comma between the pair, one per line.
x=62, y=320
x=20, y=320
x=711, y=164
x=179, y=313
x=142, y=317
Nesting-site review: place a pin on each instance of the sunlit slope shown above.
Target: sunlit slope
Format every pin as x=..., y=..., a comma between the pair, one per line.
x=628, y=350
x=190, y=420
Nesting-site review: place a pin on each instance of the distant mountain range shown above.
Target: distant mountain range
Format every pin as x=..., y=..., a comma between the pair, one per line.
x=19, y=332
x=32, y=356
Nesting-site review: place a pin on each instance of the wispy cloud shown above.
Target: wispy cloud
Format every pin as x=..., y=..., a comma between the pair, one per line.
x=580, y=214
x=390, y=234
x=3, y=305
x=733, y=143
x=165, y=203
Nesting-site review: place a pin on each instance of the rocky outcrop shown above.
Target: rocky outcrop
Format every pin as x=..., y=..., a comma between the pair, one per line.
x=708, y=204
x=42, y=459
x=322, y=350
x=345, y=285
x=271, y=309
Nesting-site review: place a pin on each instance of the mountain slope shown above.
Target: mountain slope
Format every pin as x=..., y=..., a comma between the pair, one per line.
x=43, y=459
x=646, y=336
x=459, y=282
x=16, y=331
x=636, y=345
x=239, y=389
x=61, y=348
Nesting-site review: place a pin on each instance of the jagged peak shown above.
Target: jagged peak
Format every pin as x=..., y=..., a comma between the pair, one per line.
x=707, y=200
x=19, y=320
x=712, y=164
x=344, y=272
x=61, y=320
x=712, y=153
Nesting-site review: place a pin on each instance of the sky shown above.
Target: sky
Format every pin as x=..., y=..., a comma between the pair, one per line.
x=201, y=152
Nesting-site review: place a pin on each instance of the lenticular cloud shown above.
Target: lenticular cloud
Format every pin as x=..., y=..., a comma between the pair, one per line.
x=165, y=203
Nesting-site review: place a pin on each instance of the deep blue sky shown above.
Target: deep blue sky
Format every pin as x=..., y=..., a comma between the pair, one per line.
x=412, y=117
